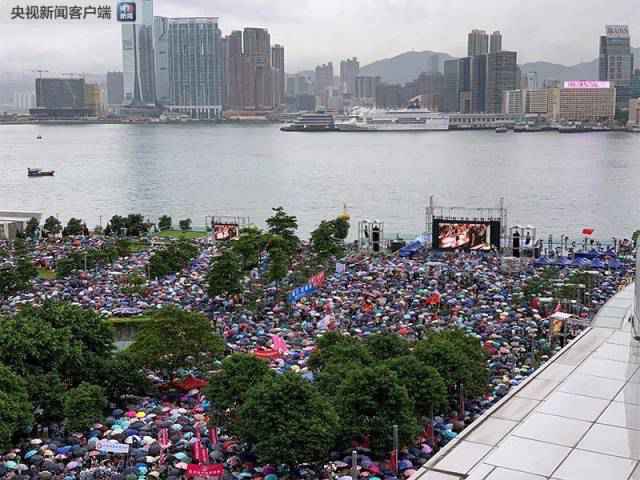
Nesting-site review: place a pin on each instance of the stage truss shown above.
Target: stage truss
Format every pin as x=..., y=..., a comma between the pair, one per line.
x=466, y=214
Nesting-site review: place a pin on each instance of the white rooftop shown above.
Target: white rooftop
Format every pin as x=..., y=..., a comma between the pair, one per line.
x=576, y=418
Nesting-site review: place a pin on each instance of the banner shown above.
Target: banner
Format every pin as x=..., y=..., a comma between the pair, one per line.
x=341, y=268
x=213, y=470
x=314, y=283
x=106, y=446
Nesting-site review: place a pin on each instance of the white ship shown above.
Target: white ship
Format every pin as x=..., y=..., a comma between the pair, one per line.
x=412, y=119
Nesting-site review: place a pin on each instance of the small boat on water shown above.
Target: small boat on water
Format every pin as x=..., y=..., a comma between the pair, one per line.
x=38, y=172
x=39, y=137
x=502, y=130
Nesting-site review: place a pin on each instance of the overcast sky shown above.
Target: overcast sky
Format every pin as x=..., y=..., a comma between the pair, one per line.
x=317, y=31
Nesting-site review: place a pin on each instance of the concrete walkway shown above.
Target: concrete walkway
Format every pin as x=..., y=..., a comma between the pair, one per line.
x=576, y=418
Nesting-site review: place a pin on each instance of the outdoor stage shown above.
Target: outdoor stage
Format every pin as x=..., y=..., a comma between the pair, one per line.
x=576, y=418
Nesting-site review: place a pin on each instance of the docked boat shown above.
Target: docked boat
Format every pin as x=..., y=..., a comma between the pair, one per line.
x=411, y=119
x=37, y=172
x=574, y=128
x=502, y=130
x=634, y=129
x=39, y=137
x=312, y=122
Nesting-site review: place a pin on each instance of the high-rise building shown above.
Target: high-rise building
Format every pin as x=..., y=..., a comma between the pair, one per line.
x=60, y=98
x=258, y=78
x=501, y=76
x=586, y=101
x=233, y=70
x=195, y=66
x=477, y=43
x=349, y=70
x=115, y=88
x=616, y=62
x=529, y=81
x=323, y=78
x=430, y=87
x=479, y=74
x=635, y=84
x=366, y=88
x=161, y=59
x=93, y=98
x=451, y=102
x=495, y=42
x=464, y=85
x=434, y=61
x=277, y=60
x=138, y=60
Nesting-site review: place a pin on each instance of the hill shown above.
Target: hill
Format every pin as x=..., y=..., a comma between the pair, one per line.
x=405, y=67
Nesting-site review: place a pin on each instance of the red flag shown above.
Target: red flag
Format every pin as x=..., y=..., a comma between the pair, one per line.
x=200, y=453
x=587, y=231
x=279, y=345
x=393, y=463
x=213, y=436
x=163, y=438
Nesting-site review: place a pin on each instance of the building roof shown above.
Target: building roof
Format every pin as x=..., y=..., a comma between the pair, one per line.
x=576, y=418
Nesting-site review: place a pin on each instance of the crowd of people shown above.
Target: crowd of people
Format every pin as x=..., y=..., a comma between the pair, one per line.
x=384, y=294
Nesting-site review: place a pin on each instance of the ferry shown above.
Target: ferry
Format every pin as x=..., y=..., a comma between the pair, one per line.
x=312, y=122
x=502, y=129
x=411, y=119
x=37, y=172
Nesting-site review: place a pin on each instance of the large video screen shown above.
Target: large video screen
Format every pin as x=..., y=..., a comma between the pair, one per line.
x=225, y=231
x=471, y=235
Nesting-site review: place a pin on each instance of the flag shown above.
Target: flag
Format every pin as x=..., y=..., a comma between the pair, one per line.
x=558, y=308
x=163, y=438
x=587, y=231
x=434, y=298
x=393, y=463
x=213, y=436
x=279, y=345
x=200, y=453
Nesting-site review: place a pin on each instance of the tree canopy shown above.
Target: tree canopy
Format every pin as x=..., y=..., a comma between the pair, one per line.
x=190, y=344
x=459, y=359
x=288, y=421
x=172, y=258
x=52, y=226
x=229, y=387
x=15, y=407
x=164, y=223
x=285, y=226
x=369, y=402
x=83, y=406
x=74, y=227
x=384, y=346
x=225, y=274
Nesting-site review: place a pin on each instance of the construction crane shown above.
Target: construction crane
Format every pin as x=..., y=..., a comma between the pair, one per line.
x=40, y=72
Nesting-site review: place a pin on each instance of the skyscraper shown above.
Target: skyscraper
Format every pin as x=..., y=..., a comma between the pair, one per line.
x=616, y=61
x=451, y=101
x=323, y=78
x=257, y=50
x=277, y=60
x=477, y=43
x=138, y=58
x=115, y=88
x=479, y=75
x=233, y=70
x=501, y=76
x=349, y=70
x=495, y=42
x=189, y=66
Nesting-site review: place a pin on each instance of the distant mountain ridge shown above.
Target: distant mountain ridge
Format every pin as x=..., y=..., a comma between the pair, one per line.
x=407, y=66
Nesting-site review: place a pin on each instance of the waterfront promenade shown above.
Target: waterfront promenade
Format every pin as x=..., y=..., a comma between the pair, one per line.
x=576, y=418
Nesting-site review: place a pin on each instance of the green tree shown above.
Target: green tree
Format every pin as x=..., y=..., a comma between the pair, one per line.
x=185, y=224
x=635, y=237
x=423, y=383
x=225, y=274
x=164, y=223
x=336, y=348
x=116, y=226
x=622, y=116
x=15, y=407
x=458, y=358
x=52, y=226
x=229, y=387
x=74, y=227
x=192, y=343
x=83, y=406
x=342, y=227
x=384, y=346
x=123, y=247
x=172, y=258
x=284, y=226
x=278, y=265
x=33, y=225
x=288, y=421
x=251, y=242
x=56, y=337
x=324, y=241
x=46, y=392
x=121, y=377
x=369, y=402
